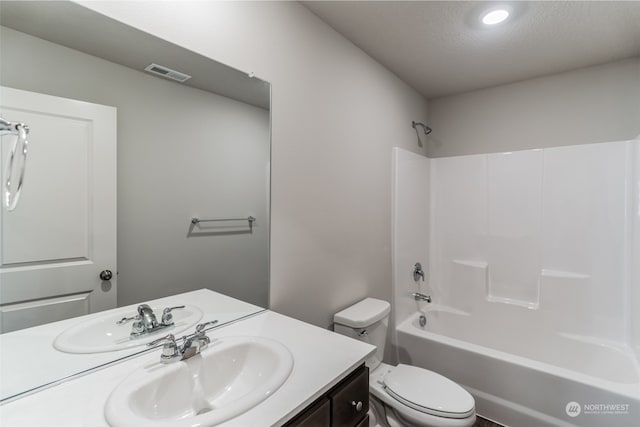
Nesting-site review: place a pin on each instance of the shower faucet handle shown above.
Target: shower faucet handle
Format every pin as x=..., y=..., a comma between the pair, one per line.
x=418, y=272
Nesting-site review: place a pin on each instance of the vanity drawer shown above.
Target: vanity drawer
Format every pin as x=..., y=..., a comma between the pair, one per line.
x=318, y=415
x=350, y=400
x=364, y=422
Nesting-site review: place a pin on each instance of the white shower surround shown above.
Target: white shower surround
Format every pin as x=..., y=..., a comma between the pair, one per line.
x=531, y=264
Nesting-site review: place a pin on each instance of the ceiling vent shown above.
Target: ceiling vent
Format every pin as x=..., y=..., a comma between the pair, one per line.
x=163, y=71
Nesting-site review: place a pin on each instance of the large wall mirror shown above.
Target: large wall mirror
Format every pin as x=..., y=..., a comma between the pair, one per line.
x=139, y=184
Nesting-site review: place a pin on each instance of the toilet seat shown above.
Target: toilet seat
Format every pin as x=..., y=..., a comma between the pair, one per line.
x=428, y=392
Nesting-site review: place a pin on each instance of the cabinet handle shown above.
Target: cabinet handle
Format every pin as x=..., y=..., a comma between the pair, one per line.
x=357, y=406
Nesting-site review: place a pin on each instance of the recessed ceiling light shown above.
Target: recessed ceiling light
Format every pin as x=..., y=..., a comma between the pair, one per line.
x=495, y=16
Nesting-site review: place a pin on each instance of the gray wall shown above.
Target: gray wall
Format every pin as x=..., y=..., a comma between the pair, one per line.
x=181, y=152
x=594, y=104
x=336, y=114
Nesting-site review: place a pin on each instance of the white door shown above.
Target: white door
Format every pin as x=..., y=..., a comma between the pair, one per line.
x=62, y=234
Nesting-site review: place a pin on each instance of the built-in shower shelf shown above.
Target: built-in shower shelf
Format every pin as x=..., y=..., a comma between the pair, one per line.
x=560, y=274
x=474, y=264
x=512, y=301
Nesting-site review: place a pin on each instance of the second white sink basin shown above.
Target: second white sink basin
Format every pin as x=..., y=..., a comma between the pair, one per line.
x=100, y=333
x=228, y=378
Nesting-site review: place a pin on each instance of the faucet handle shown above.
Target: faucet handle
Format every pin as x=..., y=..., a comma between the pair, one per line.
x=169, y=339
x=170, y=351
x=168, y=309
x=137, y=327
x=200, y=327
x=167, y=317
x=126, y=320
x=418, y=272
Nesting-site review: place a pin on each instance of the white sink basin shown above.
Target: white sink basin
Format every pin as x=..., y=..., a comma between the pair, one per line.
x=101, y=333
x=231, y=376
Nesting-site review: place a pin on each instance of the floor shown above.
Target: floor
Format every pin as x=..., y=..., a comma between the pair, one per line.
x=481, y=422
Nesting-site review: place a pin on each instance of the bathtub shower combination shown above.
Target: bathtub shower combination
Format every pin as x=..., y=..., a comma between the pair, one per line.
x=534, y=278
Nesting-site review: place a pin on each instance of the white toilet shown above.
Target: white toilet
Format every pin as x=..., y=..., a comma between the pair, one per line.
x=402, y=395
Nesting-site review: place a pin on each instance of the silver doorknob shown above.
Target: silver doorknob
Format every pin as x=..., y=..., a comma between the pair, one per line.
x=106, y=275
x=357, y=406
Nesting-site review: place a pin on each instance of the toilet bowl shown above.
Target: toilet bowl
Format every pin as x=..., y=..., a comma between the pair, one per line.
x=406, y=395
x=403, y=395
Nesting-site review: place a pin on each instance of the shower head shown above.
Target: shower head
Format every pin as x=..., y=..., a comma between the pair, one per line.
x=427, y=129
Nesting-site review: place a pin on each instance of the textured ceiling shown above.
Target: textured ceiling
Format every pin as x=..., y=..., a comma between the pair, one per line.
x=440, y=48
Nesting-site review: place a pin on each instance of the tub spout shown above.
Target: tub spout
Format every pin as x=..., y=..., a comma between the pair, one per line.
x=421, y=297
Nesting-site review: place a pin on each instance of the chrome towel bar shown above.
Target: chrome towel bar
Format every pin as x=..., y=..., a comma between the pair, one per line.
x=196, y=221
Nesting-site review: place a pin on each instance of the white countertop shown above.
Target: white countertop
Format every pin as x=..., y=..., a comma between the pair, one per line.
x=321, y=359
x=28, y=358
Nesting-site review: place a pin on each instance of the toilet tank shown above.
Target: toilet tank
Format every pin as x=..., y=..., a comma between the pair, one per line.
x=366, y=321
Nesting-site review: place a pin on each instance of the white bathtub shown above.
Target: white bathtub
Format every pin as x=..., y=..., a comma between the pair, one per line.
x=521, y=378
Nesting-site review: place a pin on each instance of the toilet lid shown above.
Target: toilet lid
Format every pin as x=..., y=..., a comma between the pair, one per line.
x=428, y=392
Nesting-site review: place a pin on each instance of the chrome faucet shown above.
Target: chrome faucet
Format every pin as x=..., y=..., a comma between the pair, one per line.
x=421, y=297
x=145, y=321
x=147, y=317
x=172, y=352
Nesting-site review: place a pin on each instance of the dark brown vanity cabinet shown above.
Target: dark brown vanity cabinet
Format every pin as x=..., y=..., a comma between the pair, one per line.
x=345, y=405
